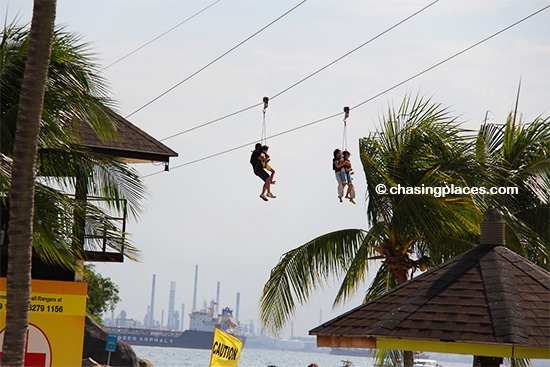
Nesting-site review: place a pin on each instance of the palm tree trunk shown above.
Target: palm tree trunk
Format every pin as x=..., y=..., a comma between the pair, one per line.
x=79, y=226
x=401, y=273
x=408, y=358
x=481, y=361
x=22, y=182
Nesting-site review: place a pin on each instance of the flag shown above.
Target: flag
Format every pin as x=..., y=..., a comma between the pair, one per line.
x=226, y=350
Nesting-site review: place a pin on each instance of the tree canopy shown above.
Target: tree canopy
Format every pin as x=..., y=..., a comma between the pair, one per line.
x=75, y=94
x=418, y=145
x=102, y=293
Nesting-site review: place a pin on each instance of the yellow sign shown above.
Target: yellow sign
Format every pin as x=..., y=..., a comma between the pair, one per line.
x=226, y=350
x=56, y=322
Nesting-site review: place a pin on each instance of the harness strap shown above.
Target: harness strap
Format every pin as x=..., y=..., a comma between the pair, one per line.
x=264, y=128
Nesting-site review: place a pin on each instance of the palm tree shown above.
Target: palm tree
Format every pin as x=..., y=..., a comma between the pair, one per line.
x=418, y=145
x=75, y=94
x=517, y=155
x=22, y=182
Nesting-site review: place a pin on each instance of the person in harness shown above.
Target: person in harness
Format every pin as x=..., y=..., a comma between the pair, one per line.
x=337, y=164
x=346, y=173
x=341, y=165
x=261, y=172
x=264, y=158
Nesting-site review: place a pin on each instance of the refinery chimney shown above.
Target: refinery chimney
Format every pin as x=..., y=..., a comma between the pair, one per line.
x=218, y=298
x=171, y=325
x=151, y=320
x=182, y=316
x=195, y=288
x=238, y=305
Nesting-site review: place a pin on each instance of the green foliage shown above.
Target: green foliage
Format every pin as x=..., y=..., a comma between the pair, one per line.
x=304, y=269
x=517, y=155
x=419, y=145
x=102, y=293
x=75, y=95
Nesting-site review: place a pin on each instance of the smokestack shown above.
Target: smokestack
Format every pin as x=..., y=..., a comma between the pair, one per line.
x=218, y=298
x=238, y=305
x=182, y=317
x=492, y=228
x=172, y=299
x=195, y=289
x=147, y=316
x=152, y=307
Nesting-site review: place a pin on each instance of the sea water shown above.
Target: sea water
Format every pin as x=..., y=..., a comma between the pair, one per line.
x=182, y=357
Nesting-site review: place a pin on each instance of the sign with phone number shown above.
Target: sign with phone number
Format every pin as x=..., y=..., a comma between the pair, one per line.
x=53, y=303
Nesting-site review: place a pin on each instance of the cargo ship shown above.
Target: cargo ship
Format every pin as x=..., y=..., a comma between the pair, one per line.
x=199, y=335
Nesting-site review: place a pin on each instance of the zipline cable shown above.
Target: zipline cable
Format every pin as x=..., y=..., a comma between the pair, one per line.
x=303, y=79
x=365, y=101
x=161, y=35
x=216, y=59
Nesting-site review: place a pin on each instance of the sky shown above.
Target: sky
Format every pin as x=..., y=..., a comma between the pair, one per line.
x=208, y=213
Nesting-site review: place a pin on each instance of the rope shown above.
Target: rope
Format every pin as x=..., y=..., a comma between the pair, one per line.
x=345, y=134
x=263, y=139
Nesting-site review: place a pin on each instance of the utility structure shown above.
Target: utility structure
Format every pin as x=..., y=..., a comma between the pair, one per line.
x=171, y=323
x=151, y=313
x=237, y=305
x=195, y=289
x=218, y=298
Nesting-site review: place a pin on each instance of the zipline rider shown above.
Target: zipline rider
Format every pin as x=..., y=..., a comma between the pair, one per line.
x=261, y=172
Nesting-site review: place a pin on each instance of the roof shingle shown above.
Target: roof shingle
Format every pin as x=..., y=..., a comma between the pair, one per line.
x=486, y=295
x=132, y=143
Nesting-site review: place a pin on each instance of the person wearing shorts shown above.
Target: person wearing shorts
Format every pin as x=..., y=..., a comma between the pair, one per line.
x=264, y=157
x=346, y=172
x=261, y=172
x=337, y=165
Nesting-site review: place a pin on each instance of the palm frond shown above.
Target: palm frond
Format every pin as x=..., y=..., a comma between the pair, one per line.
x=106, y=176
x=358, y=267
x=302, y=270
x=383, y=281
x=387, y=358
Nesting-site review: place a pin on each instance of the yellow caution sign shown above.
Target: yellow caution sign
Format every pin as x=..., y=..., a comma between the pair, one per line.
x=226, y=350
x=56, y=322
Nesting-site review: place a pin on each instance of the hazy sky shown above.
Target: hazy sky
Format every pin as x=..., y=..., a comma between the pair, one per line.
x=209, y=213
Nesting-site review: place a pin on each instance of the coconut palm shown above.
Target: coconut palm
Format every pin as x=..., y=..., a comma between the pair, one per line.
x=75, y=94
x=418, y=145
x=22, y=180
x=517, y=155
